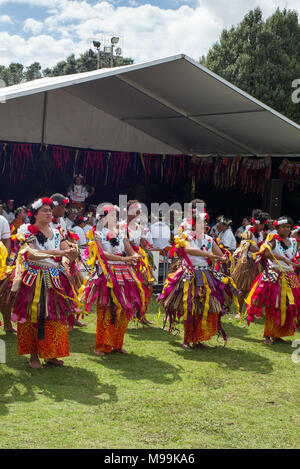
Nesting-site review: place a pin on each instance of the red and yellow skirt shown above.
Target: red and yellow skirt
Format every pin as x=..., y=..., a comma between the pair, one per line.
x=278, y=293
x=54, y=345
x=110, y=335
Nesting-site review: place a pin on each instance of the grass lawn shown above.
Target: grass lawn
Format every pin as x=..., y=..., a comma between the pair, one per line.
x=245, y=395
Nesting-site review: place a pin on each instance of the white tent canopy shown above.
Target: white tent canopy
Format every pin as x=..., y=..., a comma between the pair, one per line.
x=171, y=105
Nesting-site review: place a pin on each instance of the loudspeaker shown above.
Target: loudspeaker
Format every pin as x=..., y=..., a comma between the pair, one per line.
x=272, y=201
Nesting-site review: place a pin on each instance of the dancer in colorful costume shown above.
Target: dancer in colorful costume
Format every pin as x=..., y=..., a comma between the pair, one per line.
x=227, y=243
x=246, y=270
x=39, y=291
x=114, y=287
x=73, y=268
x=196, y=291
x=137, y=237
x=277, y=289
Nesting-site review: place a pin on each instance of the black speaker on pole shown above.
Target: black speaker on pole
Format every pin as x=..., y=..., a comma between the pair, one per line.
x=272, y=201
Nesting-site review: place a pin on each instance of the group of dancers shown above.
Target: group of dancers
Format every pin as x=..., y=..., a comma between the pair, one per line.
x=45, y=291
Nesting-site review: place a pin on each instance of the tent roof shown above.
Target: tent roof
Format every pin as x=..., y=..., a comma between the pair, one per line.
x=169, y=105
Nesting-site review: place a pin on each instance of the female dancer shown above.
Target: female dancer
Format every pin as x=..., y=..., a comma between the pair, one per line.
x=40, y=293
x=137, y=237
x=115, y=287
x=245, y=271
x=195, y=291
x=277, y=289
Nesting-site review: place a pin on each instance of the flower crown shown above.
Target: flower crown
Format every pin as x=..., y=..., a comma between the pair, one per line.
x=40, y=202
x=258, y=222
x=65, y=202
x=280, y=222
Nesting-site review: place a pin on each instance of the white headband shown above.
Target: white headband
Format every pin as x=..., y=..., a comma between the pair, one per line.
x=282, y=222
x=37, y=204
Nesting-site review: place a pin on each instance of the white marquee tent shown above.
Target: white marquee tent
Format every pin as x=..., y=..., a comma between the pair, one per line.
x=171, y=105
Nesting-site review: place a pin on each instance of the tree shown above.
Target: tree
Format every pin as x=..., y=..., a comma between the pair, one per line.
x=261, y=58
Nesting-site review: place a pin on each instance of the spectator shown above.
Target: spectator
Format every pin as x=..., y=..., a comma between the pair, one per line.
x=8, y=211
x=78, y=228
x=20, y=219
x=226, y=236
x=238, y=234
x=78, y=194
x=160, y=233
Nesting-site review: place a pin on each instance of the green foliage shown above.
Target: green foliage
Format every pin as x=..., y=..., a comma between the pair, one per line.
x=16, y=73
x=261, y=57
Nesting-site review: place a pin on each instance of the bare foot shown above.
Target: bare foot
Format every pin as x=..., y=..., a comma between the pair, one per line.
x=10, y=329
x=55, y=361
x=79, y=324
x=35, y=363
x=121, y=350
x=97, y=352
x=267, y=340
x=185, y=346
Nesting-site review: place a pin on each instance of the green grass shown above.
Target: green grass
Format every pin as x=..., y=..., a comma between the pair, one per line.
x=245, y=395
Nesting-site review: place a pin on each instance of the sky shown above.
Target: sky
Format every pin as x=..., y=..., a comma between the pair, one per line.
x=48, y=31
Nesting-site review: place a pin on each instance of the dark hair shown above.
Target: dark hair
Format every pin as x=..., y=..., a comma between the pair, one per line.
x=42, y=239
x=58, y=198
x=19, y=210
x=290, y=222
x=77, y=221
x=194, y=202
x=255, y=213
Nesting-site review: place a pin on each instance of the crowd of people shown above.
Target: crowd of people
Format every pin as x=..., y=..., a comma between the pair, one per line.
x=59, y=261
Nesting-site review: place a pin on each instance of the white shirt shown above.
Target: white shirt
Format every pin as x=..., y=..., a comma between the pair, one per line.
x=69, y=223
x=78, y=193
x=4, y=228
x=79, y=231
x=10, y=216
x=60, y=223
x=205, y=245
x=227, y=239
x=87, y=228
x=107, y=246
x=160, y=233
x=290, y=253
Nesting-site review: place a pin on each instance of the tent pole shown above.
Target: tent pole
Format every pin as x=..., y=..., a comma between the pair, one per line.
x=44, y=117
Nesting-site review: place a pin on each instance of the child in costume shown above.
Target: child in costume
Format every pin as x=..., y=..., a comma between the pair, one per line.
x=277, y=289
x=114, y=287
x=196, y=291
x=39, y=291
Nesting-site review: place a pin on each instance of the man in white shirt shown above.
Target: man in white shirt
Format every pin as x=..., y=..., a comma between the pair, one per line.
x=160, y=233
x=5, y=238
x=8, y=211
x=60, y=203
x=226, y=235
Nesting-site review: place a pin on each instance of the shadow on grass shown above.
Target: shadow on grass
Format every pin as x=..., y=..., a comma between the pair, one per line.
x=226, y=357
x=67, y=383
x=152, y=333
x=136, y=367
x=243, y=333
